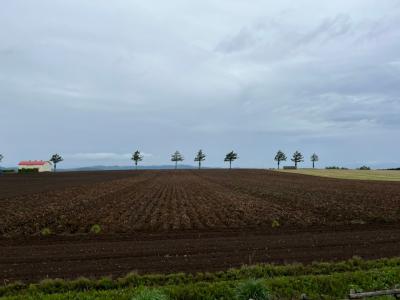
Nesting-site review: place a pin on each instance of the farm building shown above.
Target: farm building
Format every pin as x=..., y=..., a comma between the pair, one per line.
x=40, y=165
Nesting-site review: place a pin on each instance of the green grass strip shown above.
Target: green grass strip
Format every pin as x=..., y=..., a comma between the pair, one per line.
x=319, y=281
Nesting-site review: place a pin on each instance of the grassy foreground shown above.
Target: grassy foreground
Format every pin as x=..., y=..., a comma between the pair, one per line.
x=318, y=281
x=385, y=175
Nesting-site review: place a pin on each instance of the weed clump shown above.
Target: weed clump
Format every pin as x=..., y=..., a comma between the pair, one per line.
x=46, y=231
x=96, y=229
x=275, y=224
x=150, y=294
x=252, y=289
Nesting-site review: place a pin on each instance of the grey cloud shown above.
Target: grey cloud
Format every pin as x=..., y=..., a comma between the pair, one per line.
x=330, y=28
x=110, y=78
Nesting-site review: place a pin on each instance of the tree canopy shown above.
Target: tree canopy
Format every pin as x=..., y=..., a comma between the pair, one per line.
x=200, y=156
x=314, y=158
x=55, y=159
x=136, y=157
x=280, y=156
x=297, y=158
x=230, y=157
x=175, y=157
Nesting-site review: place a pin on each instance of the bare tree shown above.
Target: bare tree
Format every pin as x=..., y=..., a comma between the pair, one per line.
x=280, y=156
x=231, y=156
x=314, y=158
x=176, y=157
x=136, y=157
x=200, y=156
x=297, y=157
x=55, y=159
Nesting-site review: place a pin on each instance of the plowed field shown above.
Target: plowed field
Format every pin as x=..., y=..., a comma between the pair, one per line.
x=159, y=201
x=164, y=221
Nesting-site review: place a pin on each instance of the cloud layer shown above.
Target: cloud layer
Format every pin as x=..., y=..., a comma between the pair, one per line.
x=98, y=78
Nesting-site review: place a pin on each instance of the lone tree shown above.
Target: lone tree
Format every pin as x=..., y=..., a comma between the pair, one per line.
x=280, y=156
x=136, y=157
x=176, y=157
x=200, y=156
x=231, y=156
x=314, y=158
x=55, y=159
x=297, y=157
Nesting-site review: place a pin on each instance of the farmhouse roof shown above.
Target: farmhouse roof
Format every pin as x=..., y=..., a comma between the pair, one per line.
x=32, y=163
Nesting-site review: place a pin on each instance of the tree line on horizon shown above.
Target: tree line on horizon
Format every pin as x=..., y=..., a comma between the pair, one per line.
x=229, y=157
x=176, y=157
x=296, y=158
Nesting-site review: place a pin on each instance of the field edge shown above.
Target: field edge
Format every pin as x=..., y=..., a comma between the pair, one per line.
x=332, y=280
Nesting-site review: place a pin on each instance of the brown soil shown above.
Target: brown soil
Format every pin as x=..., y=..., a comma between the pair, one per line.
x=33, y=259
x=168, y=221
x=165, y=201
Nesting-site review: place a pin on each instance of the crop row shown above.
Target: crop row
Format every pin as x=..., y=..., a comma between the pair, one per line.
x=170, y=201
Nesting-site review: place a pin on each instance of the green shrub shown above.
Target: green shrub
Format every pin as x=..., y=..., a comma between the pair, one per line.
x=6, y=171
x=364, y=168
x=46, y=231
x=150, y=294
x=275, y=223
x=202, y=291
x=289, y=168
x=50, y=286
x=82, y=284
x=28, y=171
x=335, y=168
x=105, y=283
x=252, y=289
x=96, y=229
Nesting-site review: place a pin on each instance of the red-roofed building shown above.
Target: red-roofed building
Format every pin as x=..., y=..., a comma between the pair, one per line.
x=40, y=165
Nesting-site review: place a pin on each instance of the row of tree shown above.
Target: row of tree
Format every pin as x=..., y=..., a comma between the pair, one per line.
x=229, y=157
x=176, y=157
x=296, y=158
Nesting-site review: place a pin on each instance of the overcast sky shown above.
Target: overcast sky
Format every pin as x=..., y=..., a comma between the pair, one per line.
x=96, y=80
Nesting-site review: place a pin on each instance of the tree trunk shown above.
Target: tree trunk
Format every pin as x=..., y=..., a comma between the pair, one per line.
x=313, y=164
x=199, y=164
x=278, y=164
x=295, y=164
x=176, y=164
x=230, y=164
x=135, y=164
x=55, y=167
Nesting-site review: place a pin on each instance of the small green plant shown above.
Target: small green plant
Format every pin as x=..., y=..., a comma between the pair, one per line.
x=355, y=288
x=46, y=231
x=275, y=224
x=252, y=289
x=150, y=294
x=96, y=229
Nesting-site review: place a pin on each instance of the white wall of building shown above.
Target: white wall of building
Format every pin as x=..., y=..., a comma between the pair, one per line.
x=47, y=167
